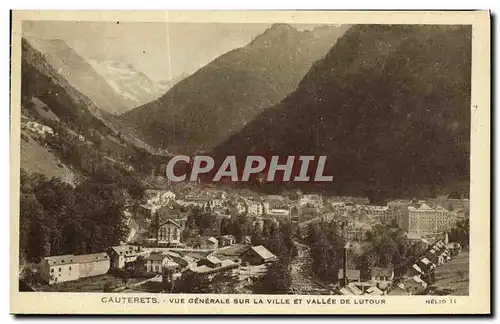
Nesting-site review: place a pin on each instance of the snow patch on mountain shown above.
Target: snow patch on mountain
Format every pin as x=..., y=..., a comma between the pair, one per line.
x=131, y=84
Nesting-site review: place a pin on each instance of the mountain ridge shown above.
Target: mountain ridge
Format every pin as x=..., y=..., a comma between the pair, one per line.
x=220, y=98
x=79, y=73
x=389, y=107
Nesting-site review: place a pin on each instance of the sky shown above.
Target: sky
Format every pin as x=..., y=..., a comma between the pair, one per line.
x=160, y=50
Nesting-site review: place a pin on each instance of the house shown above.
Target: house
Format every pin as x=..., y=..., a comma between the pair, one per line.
x=414, y=285
x=171, y=211
x=351, y=290
x=374, y=291
x=279, y=212
x=454, y=248
x=195, y=201
x=427, y=220
x=398, y=290
x=207, y=273
x=123, y=255
x=311, y=200
x=210, y=261
x=227, y=240
x=246, y=240
x=169, y=232
x=383, y=277
x=426, y=264
x=59, y=268
x=208, y=242
x=258, y=255
x=255, y=208
x=71, y=267
x=39, y=128
x=352, y=275
x=154, y=262
x=168, y=195
x=159, y=262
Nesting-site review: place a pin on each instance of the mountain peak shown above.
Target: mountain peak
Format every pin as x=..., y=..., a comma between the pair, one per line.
x=282, y=27
x=276, y=31
x=222, y=97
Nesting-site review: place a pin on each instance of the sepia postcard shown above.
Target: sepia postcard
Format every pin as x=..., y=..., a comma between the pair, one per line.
x=250, y=162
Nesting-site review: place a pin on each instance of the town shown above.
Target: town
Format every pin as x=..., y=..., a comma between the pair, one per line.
x=205, y=239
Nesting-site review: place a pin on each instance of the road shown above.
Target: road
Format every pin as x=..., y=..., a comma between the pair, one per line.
x=136, y=287
x=303, y=281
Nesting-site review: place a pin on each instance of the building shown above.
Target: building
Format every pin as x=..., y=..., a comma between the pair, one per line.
x=311, y=200
x=208, y=242
x=169, y=232
x=210, y=261
x=426, y=220
x=279, y=212
x=159, y=262
x=351, y=200
x=123, y=255
x=194, y=201
x=227, y=240
x=255, y=208
x=454, y=248
x=93, y=264
x=167, y=212
x=450, y=204
x=207, y=270
x=71, y=267
x=383, y=277
x=413, y=286
x=258, y=255
x=38, y=128
x=357, y=231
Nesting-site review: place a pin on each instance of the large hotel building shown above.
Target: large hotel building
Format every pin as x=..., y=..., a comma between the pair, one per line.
x=427, y=220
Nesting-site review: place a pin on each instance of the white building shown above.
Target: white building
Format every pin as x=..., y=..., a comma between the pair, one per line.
x=311, y=200
x=69, y=267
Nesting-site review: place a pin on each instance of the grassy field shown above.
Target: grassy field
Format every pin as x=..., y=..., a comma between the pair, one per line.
x=454, y=275
x=36, y=158
x=90, y=284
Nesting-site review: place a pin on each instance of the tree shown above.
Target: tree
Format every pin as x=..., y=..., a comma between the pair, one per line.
x=207, y=222
x=460, y=233
x=225, y=226
x=58, y=219
x=327, y=245
x=108, y=287
x=277, y=279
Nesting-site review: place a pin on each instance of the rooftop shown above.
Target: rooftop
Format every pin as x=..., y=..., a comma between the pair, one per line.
x=126, y=249
x=263, y=252
x=71, y=258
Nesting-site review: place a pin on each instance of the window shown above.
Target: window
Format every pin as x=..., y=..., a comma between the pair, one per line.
x=52, y=270
x=59, y=269
x=69, y=268
x=156, y=268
